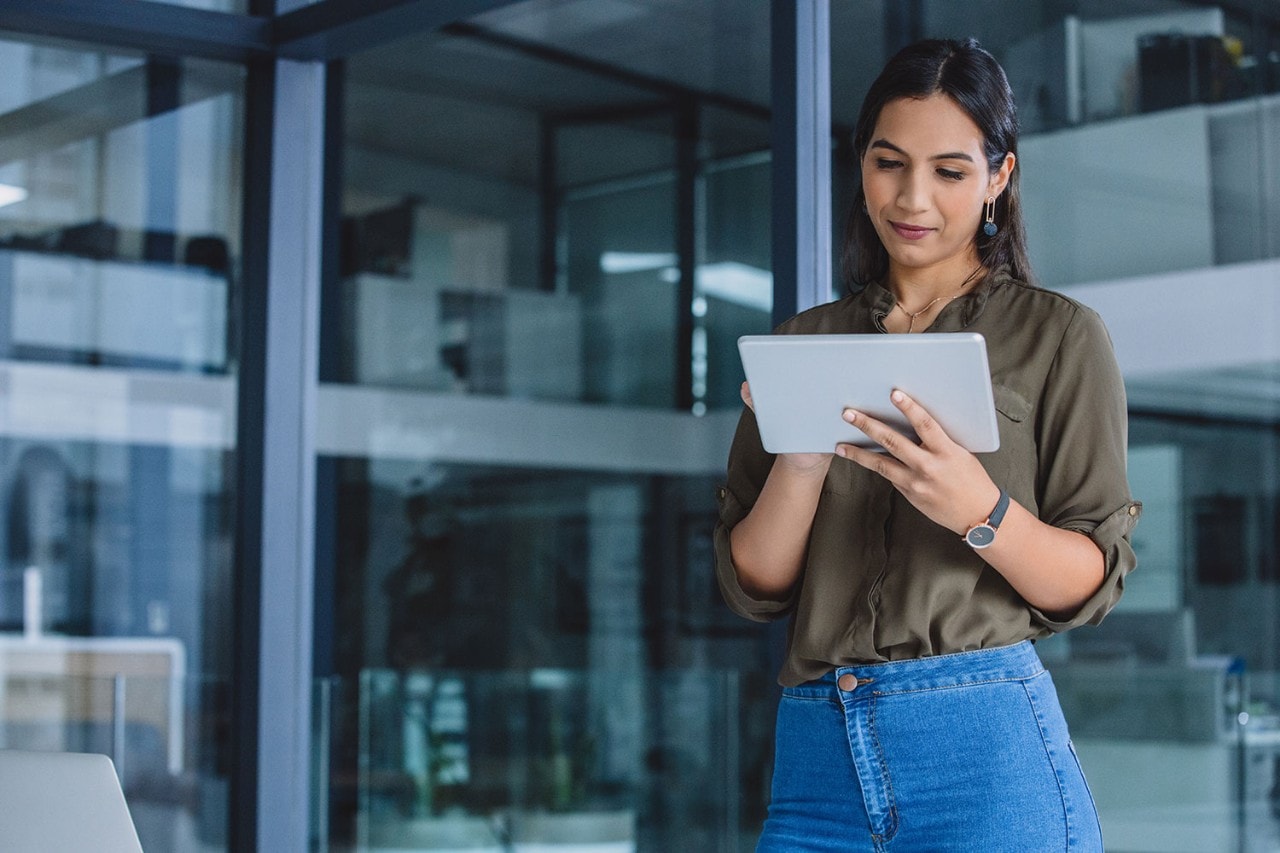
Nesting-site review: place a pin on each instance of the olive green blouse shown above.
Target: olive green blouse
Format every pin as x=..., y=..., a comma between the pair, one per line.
x=883, y=582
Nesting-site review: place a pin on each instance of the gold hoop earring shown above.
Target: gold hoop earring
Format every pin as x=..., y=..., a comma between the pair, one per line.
x=989, y=227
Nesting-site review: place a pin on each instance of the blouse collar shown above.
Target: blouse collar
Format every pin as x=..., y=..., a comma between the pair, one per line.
x=958, y=315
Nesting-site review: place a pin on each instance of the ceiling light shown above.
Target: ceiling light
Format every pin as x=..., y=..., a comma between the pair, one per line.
x=10, y=194
x=623, y=262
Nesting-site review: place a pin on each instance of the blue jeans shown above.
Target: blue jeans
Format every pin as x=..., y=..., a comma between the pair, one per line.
x=966, y=751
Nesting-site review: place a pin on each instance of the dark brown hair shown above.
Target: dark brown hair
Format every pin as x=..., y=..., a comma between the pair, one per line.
x=972, y=78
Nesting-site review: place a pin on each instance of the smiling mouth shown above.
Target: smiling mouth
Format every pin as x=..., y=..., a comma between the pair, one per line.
x=911, y=232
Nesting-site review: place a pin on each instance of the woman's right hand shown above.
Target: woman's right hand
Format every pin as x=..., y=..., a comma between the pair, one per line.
x=800, y=463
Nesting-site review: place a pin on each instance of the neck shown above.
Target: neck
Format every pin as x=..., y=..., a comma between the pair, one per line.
x=914, y=287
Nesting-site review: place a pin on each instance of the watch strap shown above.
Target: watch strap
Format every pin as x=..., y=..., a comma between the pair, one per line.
x=997, y=514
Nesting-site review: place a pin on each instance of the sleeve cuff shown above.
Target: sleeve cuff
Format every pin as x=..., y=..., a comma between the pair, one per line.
x=738, y=600
x=1112, y=538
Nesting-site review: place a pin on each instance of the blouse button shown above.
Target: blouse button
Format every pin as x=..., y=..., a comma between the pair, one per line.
x=847, y=682
x=1133, y=510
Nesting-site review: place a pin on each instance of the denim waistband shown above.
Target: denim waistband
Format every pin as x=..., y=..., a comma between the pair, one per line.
x=1003, y=663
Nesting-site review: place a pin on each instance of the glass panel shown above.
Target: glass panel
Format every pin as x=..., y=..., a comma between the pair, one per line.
x=733, y=293
x=1148, y=197
x=523, y=235
x=163, y=728
x=1113, y=78
x=573, y=586
x=119, y=237
x=628, y=287
x=550, y=250
x=542, y=760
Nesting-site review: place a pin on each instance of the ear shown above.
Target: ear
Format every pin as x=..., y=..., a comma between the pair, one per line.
x=1000, y=177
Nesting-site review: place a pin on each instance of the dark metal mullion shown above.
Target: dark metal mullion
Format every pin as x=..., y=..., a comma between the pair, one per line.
x=151, y=27
x=548, y=204
x=605, y=70
x=686, y=139
x=163, y=99
x=801, y=172
x=334, y=363
x=801, y=139
x=335, y=29
x=251, y=318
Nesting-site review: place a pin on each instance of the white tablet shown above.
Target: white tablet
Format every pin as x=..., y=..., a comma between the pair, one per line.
x=801, y=385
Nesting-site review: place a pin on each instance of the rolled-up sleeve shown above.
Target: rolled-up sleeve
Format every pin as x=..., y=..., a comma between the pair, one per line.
x=749, y=466
x=1082, y=484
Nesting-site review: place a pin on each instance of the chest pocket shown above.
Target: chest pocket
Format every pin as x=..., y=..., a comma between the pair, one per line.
x=1014, y=464
x=1010, y=403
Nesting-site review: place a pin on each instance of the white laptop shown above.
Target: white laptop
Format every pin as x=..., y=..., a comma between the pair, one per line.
x=801, y=385
x=63, y=802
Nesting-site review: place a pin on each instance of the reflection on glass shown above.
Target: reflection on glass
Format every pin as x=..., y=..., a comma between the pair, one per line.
x=541, y=259
x=419, y=728
x=550, y=248
x=531, y=760
x=119, y=230
x=509, y=646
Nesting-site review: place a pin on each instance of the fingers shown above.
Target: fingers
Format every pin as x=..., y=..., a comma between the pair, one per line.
x=745, y=392
x=879, y=463
x=930, y=432
x=882, y=434
x=936, y=476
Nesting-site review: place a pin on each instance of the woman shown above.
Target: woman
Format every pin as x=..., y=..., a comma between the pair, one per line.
x=915, y=713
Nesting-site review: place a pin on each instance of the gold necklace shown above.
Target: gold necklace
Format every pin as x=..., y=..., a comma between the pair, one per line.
x=912, y=322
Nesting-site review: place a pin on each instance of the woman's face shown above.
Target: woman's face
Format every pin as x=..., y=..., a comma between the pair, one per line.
x=926, y=180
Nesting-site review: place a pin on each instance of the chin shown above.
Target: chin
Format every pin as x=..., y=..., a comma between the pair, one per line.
x=916, y=255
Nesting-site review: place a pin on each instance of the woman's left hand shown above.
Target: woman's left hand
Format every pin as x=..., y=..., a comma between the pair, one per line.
x=939, y=477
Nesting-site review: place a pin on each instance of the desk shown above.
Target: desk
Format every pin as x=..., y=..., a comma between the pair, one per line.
x=53, y=679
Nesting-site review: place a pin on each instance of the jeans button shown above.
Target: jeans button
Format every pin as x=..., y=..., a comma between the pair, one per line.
x=847, y=682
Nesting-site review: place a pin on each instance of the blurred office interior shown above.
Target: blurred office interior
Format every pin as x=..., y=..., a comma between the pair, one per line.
x=367, y=372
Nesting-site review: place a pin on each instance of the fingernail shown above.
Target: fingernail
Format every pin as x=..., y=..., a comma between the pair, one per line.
x=896, y=396
x=850, y=415
x=840, y=451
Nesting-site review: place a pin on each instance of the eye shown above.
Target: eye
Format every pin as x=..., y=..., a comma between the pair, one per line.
x=886, y=164
x=951, y=174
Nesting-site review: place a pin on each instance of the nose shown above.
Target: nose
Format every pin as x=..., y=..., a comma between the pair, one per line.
x=912, y=193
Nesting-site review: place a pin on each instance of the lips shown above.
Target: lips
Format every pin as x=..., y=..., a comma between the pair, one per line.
x=909, y=232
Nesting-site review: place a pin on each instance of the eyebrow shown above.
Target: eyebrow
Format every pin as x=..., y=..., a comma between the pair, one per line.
x=950, y=155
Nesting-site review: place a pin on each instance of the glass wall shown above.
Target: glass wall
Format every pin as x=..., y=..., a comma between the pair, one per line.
x=1148, y=163
x=554, y=224
x=119, y=231
x=555, y=227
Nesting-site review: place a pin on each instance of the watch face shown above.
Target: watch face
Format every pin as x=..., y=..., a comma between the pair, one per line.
x=981, y=536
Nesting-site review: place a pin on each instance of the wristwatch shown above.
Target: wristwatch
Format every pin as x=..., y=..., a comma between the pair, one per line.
x=982, y=535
